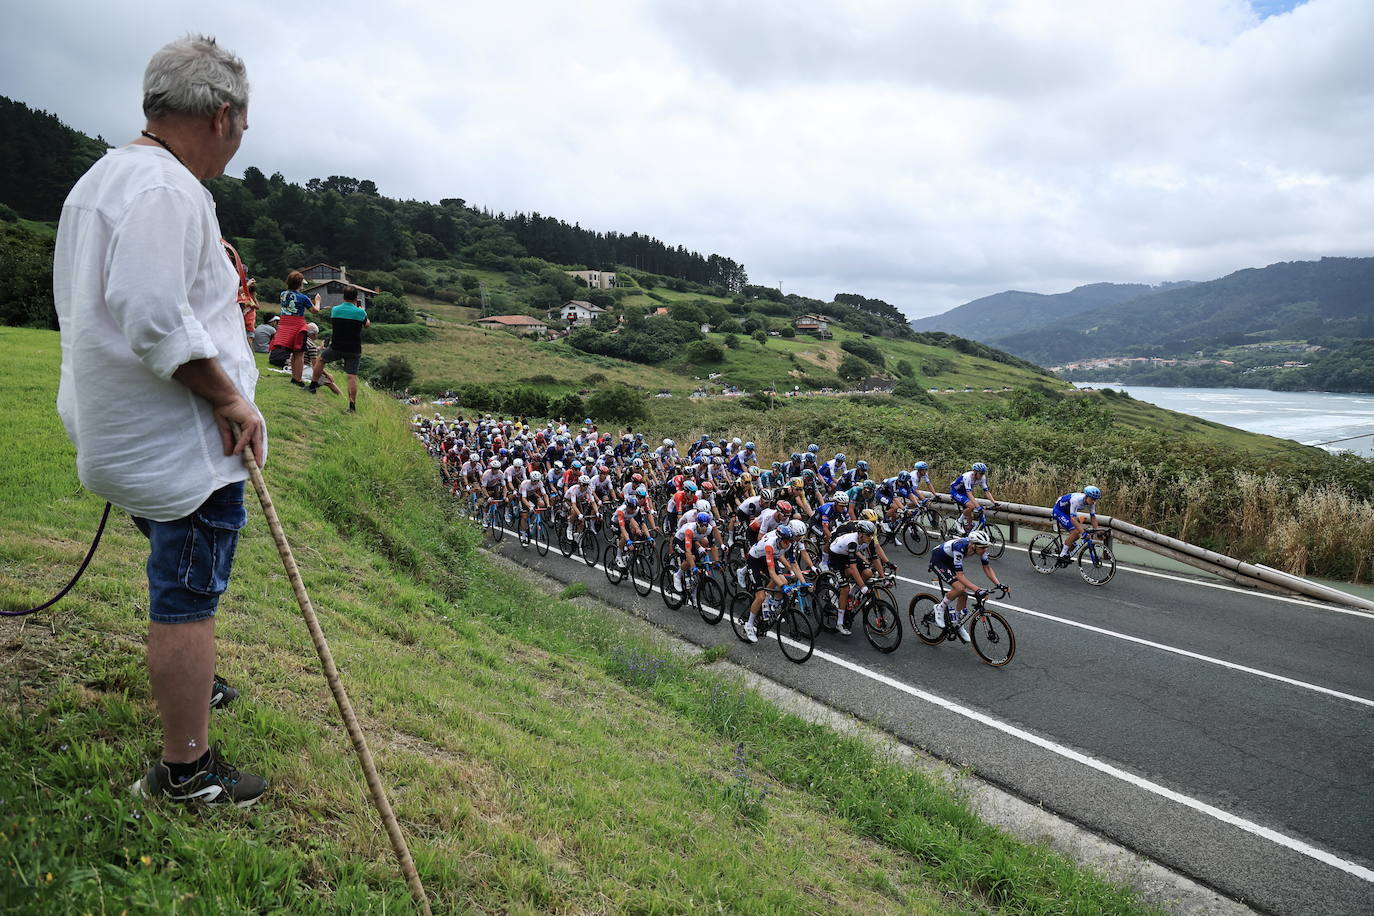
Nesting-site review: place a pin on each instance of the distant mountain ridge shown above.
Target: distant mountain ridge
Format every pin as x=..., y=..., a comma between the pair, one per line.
x=1014, y=311
x=1331, y=299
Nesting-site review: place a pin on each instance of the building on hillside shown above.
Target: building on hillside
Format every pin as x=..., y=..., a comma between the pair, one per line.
x=819, y=325
x=579, y=314
x=330, y=282
x=595, y=279
x=660, y=312
x=516, y=324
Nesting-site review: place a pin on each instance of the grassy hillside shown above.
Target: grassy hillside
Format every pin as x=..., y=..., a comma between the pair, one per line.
x=541, y=755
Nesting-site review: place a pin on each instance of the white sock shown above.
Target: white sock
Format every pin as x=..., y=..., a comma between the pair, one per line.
x=1064, y=551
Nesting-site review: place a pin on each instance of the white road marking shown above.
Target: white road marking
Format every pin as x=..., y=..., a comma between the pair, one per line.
x=1166, y=648
x=1226, y=817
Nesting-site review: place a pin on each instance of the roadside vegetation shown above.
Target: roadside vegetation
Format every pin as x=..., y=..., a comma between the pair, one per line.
x=542, y=755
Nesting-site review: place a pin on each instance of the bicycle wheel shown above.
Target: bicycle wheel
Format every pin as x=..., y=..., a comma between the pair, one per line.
x=672, y=596
x=642, y=573
x=999, y=540
x=739, y=613
x=796, y=633
x=914, y=538
x=1096, y=564
x=614, y=574
x=566, y=543
x=1044, y=550
x=825, y=600
x=709, y=599
x=920, y=613
x=591, y=548
x=498, y=525
x=540, y=535
x=993, y=638
x=610, y=530
x=882, y=624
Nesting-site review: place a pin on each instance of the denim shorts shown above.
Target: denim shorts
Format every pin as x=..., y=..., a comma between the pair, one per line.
x=189, y=559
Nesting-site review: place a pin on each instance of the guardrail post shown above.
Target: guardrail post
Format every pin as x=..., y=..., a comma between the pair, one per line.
x=1015, y=527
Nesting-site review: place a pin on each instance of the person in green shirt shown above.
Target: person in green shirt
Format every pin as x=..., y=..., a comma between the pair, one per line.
x=346, y=345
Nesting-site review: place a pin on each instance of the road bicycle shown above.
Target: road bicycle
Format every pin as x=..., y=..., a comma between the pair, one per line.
x=699, y=586
x=980, y=523
x=639, y=565
x=1096, y=562
x=789, y=616
x=494, y=519
x=994, y=640
x=585, y=542
x=537, y=532
x=876, y=609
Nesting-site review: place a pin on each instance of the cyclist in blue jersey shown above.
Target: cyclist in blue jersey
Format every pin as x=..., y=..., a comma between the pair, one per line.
x=894, y=494
x=832, y=471
x=961, y=491
x=947, y=562
x=830, y=515
x=1066, y=512
x=921, y=475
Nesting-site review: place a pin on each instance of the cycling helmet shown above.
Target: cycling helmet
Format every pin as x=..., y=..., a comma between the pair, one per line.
x=748, y=446
x=841, y=499
x=535, y=476
x=1094, y=492
x=795, y=483
x=705, y=438
x=504, y=452
x=980, y=538
x=920, y=466
x=601, y=469
x=678, y=480
x=980, y=467
x=785, y=532
x=577, y=465
x=669, y=443
x=638, y=463
x=809, y=474
x=632, y=501
x=558, y=464
x=797, y=526
x=796, y=456
x=869, y=515
x=813, y=448
x=518, y=462
x=784, y=507
x=716, y=452
x=702, y=506
x=869, y=486
x=754, y=470
x=708, y=485
x=690, y=486
x=735, y=441
x=769, y=495
x=703, y=518
x=904, y=477
x=866, y=527
x=839, y=456
x=808, y=458
x=584, y=480
x=746, y=477
x=494, y=463
x=861, y=464
x=642, y=492
x=777, y=465
x=636, y=478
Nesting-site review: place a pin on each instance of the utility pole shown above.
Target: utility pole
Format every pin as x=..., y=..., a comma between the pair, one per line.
x=486, y=303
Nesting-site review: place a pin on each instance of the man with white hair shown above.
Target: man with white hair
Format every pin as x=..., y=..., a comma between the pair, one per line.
x=157, y=384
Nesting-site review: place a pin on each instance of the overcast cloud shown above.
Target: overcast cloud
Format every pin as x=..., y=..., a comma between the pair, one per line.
x=926, y=153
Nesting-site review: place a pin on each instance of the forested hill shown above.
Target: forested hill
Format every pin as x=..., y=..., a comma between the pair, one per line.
x=1015, y=311
x=345, y=219
x=1327, y=303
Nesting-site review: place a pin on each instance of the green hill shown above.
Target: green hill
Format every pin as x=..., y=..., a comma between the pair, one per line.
x=541, y=755
x=1016, y=311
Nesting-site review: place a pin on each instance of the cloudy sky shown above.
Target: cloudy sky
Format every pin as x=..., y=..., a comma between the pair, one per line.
x=919, y=151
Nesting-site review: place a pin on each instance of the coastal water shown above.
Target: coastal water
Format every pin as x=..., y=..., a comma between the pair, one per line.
x=1309, y=417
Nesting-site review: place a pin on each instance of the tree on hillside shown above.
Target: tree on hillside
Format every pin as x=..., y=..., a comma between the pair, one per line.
x=617, y=404
x=865, y=351
x=851, y=368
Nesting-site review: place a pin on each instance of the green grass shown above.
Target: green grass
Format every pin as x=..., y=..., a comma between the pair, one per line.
x=541, y=755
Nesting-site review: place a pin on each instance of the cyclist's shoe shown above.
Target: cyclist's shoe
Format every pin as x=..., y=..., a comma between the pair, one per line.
x=621, y=562
x=739, y=577
x=221, y=694
x=939, y=617
x=844, y=630
x=750, y=632
x=217, y=783
x=963, y=632
x=1060, y=562
x=677, y=581
x=524, y=539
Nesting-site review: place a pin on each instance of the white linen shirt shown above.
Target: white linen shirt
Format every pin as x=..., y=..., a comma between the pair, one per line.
x=142, y=286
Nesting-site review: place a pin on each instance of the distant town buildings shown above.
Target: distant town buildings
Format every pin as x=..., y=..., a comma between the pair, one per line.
x=516, y=324
x=1114, y=361
x=595, y=279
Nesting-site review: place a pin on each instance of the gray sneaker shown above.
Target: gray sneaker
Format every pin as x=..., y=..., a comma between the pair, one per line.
x=218, y=784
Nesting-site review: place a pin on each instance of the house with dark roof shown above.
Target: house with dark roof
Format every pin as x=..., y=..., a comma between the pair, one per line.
x=516, y=324
x=330, y=282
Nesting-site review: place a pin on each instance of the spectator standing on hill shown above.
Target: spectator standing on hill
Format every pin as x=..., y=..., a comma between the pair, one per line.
x=157, y=384
x=248, y=304
x=346, y=345
x=263, y=334
x=295, y=305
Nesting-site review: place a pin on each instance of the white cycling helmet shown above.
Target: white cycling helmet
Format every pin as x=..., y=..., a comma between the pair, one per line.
x=519, y=462
x=703, y=506
x=584, y=480
x=866, y=527
x=798, y=527
x=841, y=498
x=535, y=476
x=980, y=538
x=668, y=443
x=735, y=441
x=494, y=463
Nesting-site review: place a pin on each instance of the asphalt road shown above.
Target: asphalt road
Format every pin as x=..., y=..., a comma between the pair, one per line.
x=1224, y=733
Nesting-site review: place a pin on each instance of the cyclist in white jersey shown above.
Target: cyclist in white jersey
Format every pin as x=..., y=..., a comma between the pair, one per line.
x=771, y=562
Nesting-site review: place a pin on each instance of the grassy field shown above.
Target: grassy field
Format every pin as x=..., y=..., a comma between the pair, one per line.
x=542, y=755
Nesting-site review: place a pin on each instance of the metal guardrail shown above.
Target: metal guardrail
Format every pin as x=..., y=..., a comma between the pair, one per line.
x=1229, y=568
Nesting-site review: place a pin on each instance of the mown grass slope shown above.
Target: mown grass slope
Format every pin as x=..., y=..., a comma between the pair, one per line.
x=542, y=756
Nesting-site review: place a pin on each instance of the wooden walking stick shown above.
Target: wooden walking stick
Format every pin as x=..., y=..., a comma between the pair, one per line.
x=331, y=674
